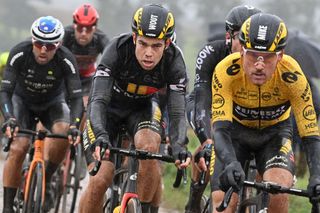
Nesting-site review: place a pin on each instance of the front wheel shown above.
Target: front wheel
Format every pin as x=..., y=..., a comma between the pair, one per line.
x=133, y=206
x=72, y=175
x=33, y=202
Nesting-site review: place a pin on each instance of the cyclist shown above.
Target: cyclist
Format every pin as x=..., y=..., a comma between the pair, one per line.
x=38, y=72
x=199, y=101
x=252, y=95
x=86, y=42
x=133, y=68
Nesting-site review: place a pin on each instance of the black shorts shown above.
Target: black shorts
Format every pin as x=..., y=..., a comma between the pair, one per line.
x=48, y=113
x=271, y=148
x=134, y=119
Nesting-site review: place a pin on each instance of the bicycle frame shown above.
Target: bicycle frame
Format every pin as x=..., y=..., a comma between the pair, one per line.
x=37, y=158
x=131, y=189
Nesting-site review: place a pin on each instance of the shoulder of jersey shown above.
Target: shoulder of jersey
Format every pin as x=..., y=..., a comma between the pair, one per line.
x=230, y=65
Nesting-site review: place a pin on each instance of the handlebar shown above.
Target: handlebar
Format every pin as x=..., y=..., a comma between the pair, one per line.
x=269, y=187
x=136, y=153
x=40, y=134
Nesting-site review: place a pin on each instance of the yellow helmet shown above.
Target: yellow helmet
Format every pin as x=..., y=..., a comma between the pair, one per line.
x=153, y=21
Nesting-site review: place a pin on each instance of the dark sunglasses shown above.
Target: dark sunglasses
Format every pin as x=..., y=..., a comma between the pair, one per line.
x=81, y=28
x=48, y=46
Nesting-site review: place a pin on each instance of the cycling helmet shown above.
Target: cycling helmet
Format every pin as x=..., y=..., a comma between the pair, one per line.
x=264, y=32
x=47, y=29
x=153, y=21
x=238, y=15
x=85, y=15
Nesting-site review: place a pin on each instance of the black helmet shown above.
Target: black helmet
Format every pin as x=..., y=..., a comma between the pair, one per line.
x=153, y=21
x=238, y=15
x=264, y=32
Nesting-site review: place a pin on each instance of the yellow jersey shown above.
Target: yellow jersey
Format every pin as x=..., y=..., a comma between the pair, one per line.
x=235, y=97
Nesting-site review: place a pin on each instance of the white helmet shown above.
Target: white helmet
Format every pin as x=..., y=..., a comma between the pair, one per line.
x=47, y=29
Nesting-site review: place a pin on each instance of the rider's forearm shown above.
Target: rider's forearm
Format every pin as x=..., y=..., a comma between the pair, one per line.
x=177, y=120
x=312, y=148
x=202, y=111
x=76, y=111
x=98, y=101
x=6, y=104
x=222, y=141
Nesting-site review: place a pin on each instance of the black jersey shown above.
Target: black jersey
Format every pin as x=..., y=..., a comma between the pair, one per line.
x=208, y=57
x=129, y=86
x=36, y=83
x=86, y=55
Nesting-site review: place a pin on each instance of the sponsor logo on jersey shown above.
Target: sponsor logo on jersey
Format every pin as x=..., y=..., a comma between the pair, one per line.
x=217, y=101
x=266, y=96
x=203, y=54
x=234, y=68
x=260, y=113
x=306, y=93
x=290, y=77
x=309, y=113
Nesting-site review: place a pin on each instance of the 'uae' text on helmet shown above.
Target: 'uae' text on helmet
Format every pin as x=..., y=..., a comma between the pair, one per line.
x=264, y=32
x=47, y=29
x=238, y=15
x=85, y=15
x=153, y=21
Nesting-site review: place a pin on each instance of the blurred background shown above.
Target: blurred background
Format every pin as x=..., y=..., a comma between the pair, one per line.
x=193, y=18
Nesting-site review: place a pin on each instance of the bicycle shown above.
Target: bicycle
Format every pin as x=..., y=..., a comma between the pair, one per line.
x=31, y=194
x=67, y=180
x=125, y=180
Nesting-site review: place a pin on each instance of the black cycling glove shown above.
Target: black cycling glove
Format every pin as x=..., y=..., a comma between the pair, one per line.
x=232, y=176
x=179, y=152
x=103, y=143
x=11, y=122
x=74, y=133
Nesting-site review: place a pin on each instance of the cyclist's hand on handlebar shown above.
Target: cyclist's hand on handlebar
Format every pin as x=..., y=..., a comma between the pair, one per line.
x=232, y=176
x=181, y=155
x=101, y=148
x=74, y=135
x=202, y=158
x=10, y=127
x=314, y=188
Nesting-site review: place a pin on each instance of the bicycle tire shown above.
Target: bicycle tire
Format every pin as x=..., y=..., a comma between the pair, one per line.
x=57, y=181
x=133, y=206
x=33, y=202
x=248, y=202
x=114, y=192
x=71, y=189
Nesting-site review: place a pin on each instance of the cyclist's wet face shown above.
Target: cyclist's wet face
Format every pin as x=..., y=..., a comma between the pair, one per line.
x=44, y=52
x=149, y=51
x=84, y=34
x=259, y=66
